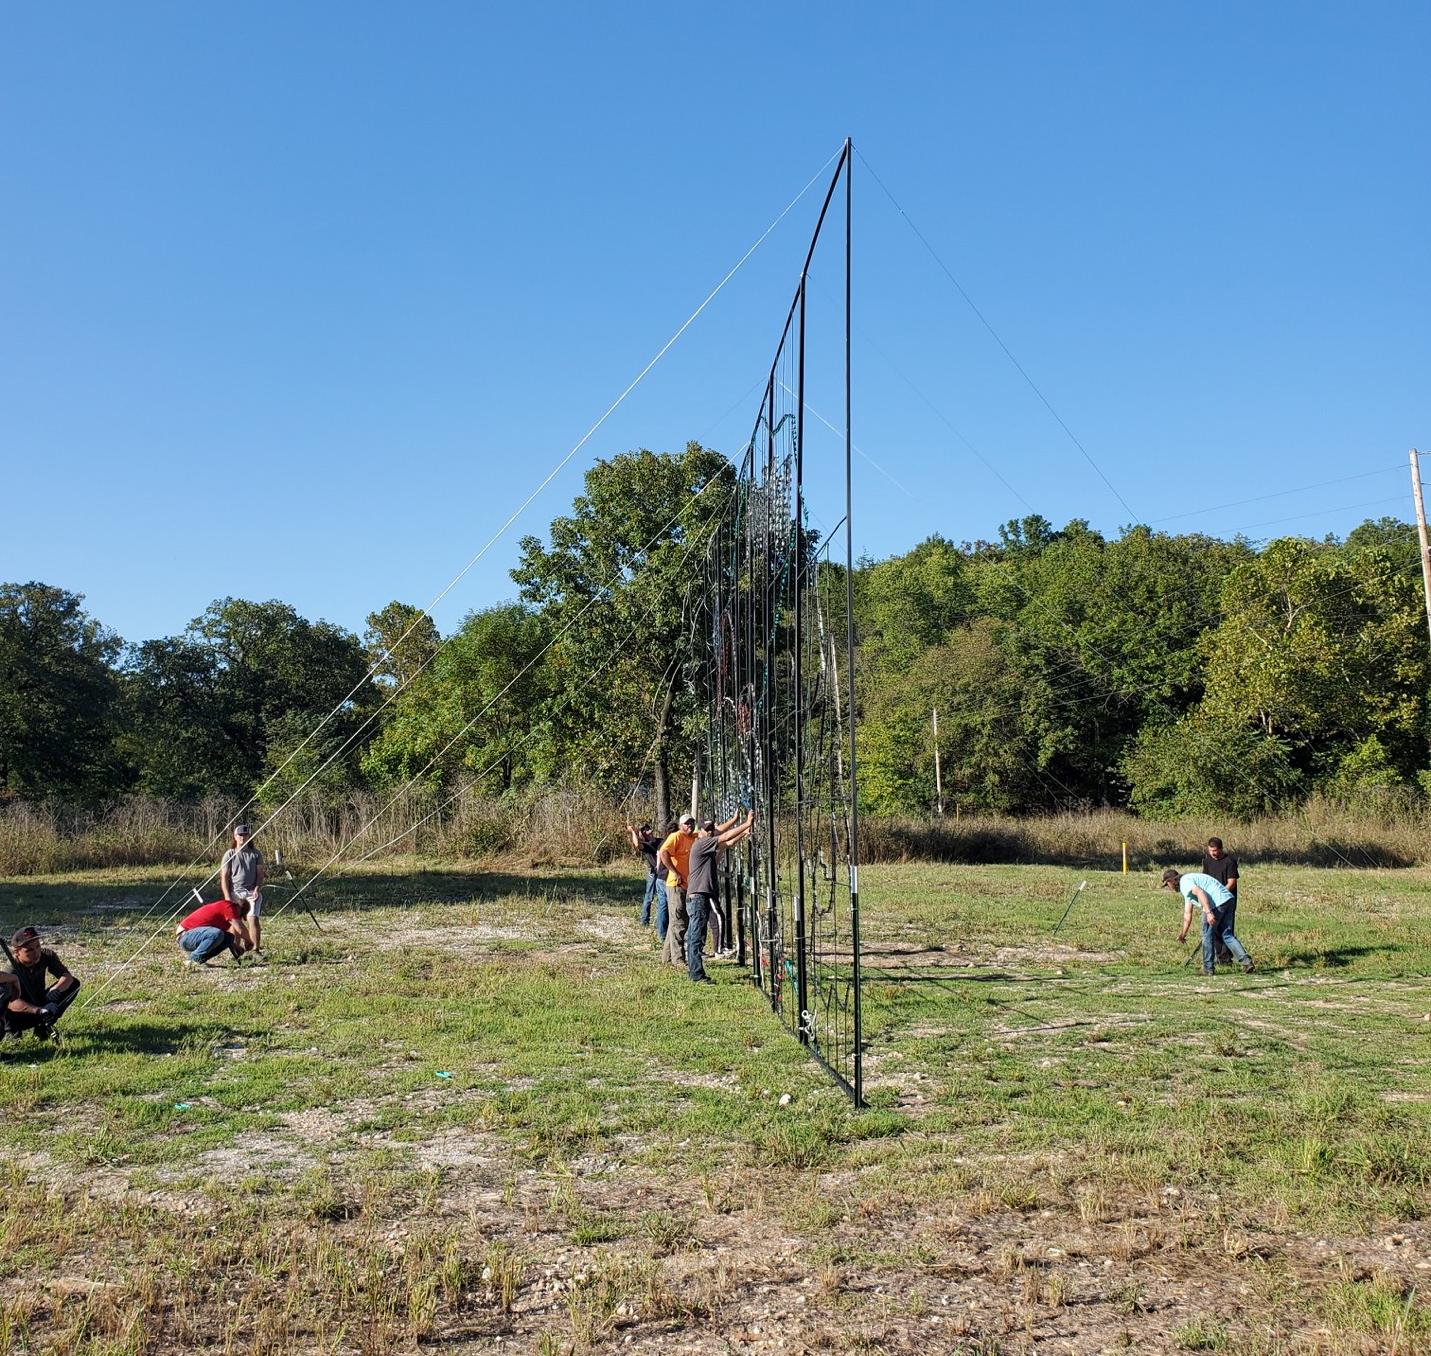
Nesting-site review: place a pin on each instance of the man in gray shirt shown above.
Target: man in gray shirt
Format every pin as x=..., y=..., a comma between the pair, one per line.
x=713, y=839
x=241, y=876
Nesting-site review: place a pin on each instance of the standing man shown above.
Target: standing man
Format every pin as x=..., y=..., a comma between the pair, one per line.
x=710, y=842
x=1211, y=897
x=28, y=1004
x=644, y=841
x=1221, y=865
x=674, y=854
x=241, y=877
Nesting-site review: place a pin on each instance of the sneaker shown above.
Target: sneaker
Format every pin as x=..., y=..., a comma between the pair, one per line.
x=1206, y=971
x=192, y=962
x=1248, y=966
x=704, y=979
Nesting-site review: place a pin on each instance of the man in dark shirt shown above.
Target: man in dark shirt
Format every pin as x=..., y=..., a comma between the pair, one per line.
x=29, y=1005
x=647, y=844
x=1221, y=865
x=711, y=840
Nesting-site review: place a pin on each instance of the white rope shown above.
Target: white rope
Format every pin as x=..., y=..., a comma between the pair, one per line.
x=616, y=654
x=591, y=602
x=461, y=574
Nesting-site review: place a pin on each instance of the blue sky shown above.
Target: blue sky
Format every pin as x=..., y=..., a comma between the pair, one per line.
x=302, y=301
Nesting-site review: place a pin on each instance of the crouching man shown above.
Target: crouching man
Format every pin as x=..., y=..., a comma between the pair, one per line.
x=211, y=928
x=29, y=1005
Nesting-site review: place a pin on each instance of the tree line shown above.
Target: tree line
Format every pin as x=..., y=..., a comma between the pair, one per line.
x=1173, y=674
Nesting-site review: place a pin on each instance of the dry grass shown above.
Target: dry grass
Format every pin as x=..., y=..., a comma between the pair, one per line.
x=554, y=826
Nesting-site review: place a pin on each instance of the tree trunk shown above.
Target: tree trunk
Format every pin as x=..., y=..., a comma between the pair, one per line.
x=663, y=773
x=663, y=792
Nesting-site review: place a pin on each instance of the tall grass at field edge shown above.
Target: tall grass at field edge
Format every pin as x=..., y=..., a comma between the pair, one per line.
x=554, y=825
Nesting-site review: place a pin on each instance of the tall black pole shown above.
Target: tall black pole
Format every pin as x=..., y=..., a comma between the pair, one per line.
x=768, y=705
x=802, y=969
x=850, y=659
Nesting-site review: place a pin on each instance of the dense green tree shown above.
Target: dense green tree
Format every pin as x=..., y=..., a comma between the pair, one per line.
x=400, y=642
x=617, y=582
x=59, y=696
x=215, y=706
x=478, y=712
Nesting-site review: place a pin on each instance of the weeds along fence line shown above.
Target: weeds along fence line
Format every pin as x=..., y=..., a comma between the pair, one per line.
x=545, y=825
x=551, y=825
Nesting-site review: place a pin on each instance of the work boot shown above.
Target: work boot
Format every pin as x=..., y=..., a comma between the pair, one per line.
x=1248, y=966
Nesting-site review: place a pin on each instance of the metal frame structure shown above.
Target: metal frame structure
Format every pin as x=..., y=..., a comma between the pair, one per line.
x=777, y=613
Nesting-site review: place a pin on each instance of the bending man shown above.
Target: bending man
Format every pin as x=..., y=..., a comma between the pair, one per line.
x=1211, y=897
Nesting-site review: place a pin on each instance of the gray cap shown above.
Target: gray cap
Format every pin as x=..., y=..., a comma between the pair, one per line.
x=243, y=829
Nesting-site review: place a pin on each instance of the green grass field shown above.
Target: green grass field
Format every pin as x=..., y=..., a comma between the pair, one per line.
x=475, y=1113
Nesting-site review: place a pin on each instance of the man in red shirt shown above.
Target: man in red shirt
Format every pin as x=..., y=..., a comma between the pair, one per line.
x=212, y=928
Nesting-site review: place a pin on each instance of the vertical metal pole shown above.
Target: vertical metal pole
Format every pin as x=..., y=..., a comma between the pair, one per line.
x=1421, y=532
x=850, y=661
x=938, y=774
x=768, y=705
x=802, y=963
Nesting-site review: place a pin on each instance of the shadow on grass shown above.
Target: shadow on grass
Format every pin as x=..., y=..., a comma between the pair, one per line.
x=1329, y=958
x=93, y=904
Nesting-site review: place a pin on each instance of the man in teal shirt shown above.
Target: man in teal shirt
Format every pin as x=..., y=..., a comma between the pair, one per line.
x=1212, y=897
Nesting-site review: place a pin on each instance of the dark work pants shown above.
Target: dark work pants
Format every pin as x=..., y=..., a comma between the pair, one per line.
x=1227, y=915
x=698, y=908
x=27, y=1021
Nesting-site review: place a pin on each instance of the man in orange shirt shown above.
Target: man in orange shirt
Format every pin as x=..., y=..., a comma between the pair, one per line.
x=675, y=854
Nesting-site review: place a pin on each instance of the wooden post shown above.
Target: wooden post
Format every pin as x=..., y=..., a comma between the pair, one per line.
x=938, y=776
x=1421, y=532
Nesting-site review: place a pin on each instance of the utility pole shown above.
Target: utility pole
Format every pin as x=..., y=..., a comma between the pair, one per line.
x=938, y=775
x=1421, y=532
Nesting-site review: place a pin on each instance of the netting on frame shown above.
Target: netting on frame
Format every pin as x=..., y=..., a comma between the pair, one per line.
x=776, y=672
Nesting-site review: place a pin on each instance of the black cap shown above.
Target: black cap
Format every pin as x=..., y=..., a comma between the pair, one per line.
x=243, y=829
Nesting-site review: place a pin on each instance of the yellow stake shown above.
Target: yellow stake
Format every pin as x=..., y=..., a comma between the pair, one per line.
x=1125, y=859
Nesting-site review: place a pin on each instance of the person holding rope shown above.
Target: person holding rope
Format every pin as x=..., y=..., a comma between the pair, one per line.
x=710, y=842
x=241, y=877
x=1212, y=897
x=29, y=1005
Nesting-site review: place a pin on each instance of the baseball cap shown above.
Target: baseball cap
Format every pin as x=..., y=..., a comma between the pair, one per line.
x=24, y=936
x=243, y=829
x=688, y=819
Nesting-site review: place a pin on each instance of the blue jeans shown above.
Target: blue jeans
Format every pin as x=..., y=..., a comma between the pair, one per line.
x=662, y=911
x=1220, y=931
x=646, y=899
x=203, y=944
x=698, y=908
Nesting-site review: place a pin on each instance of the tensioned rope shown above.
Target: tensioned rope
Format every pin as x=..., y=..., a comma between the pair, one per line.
x=463, y=572
x=1008, y=353
x=591, y=602
x=617, y=652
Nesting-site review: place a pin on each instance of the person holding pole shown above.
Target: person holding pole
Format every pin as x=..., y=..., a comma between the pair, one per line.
x=1210, y=896
x=711, y=840
x=674, y=854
